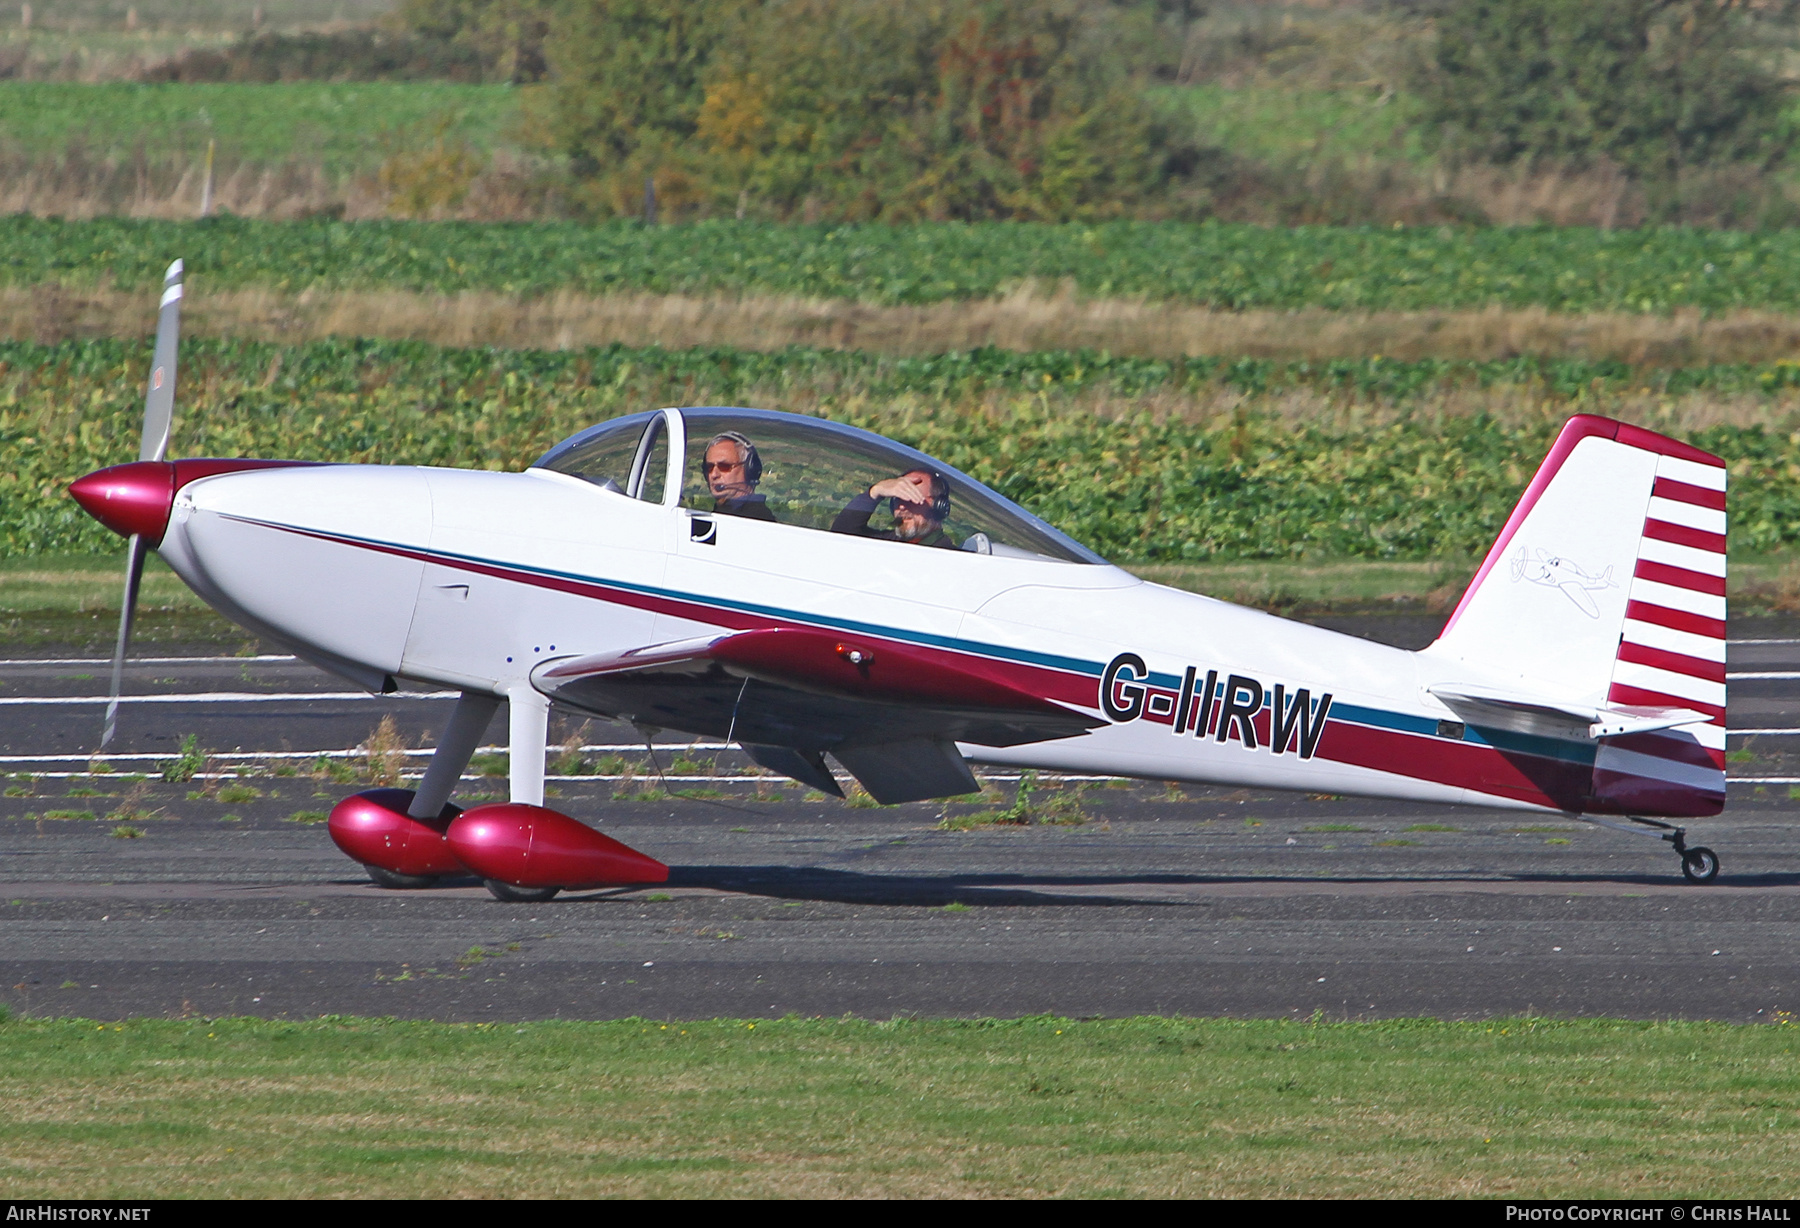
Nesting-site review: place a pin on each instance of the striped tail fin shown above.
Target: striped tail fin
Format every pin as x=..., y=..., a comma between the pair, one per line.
x=1672, y=647
x=1606, y=589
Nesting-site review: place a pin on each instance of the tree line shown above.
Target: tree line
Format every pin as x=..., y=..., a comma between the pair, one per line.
x=901, y=110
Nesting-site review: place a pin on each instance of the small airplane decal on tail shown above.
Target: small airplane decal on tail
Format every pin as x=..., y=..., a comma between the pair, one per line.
x=1571, y=578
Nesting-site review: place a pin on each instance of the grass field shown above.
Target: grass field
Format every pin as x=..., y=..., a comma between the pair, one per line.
x=807, y=1108
x=341, y=128
x=1299, y=122
x=1143, y=462
x=73, y=602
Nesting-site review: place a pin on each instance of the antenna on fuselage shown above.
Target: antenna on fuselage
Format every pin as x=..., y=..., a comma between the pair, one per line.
x=159, y=414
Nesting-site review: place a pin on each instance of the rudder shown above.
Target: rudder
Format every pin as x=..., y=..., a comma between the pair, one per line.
x=1607, y=587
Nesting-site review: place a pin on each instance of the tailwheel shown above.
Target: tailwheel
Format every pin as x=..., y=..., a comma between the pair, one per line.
x=519, y=895
x=1699, y=865
x=390, y=879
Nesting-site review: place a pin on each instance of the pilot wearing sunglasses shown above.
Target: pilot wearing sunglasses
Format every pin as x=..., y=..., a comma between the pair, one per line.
x=732, y=469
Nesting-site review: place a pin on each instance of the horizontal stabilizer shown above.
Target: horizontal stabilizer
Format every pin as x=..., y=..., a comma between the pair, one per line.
x=1485, y=708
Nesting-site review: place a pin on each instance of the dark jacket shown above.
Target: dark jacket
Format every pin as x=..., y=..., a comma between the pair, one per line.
x=750, y=507
x=855, y=519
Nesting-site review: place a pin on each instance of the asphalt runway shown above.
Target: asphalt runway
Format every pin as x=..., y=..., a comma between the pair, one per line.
x=1191, y=901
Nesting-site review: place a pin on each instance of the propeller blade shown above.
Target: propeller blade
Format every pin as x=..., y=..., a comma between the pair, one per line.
x=159, y=415
x=136, y=553
x=159, y=401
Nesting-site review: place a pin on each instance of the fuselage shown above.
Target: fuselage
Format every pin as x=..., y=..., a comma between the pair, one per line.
x=472, y=579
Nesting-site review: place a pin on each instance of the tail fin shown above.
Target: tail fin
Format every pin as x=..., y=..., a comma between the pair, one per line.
x=1607, y=587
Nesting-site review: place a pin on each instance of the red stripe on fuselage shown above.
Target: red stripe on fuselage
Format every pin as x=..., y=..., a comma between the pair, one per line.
x=1059, y=685
x=1552, y=783
x=1478, y=768
x=1525, y=778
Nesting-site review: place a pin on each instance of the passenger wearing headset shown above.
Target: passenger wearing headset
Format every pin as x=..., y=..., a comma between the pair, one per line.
x=921, y=501
x=731, y=469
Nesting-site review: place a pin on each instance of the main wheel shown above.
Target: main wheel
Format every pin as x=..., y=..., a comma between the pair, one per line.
x=519, y=895
x=1700, y=865
x=387, y=878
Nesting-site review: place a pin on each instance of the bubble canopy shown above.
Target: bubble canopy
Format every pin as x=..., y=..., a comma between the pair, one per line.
x=805, y=472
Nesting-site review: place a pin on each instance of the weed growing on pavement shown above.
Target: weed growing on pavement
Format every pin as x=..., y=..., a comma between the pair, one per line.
x=1057, y=807
x=192, y=760
x=384, y=754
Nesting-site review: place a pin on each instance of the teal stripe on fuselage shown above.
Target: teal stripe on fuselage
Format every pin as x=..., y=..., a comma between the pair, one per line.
x=1379, y=718
x=1500, y=739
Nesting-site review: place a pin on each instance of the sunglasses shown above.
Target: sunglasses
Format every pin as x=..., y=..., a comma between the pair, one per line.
x=721, y=466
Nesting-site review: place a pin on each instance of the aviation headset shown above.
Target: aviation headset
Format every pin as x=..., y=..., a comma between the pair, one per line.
x=746, y=453
x=940, y=494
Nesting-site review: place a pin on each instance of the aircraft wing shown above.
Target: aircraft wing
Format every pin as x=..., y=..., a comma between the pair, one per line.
x=890, y=713
x=1493, y=709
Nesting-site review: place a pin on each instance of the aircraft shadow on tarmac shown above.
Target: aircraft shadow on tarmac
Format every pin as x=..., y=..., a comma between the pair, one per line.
x=815, y=884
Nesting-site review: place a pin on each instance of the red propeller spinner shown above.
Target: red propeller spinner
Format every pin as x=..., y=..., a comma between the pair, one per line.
x=138, y=498
x=135, y=498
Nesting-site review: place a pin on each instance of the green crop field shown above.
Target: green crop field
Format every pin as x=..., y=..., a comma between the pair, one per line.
x=1297, y=122
x=1224, y=266
x=1136, y=486
x=340, y=127
x=792, y=1107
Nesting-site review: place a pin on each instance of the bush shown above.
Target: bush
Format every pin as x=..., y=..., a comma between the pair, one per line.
x=1656, y=86
x=342, y=55
x=848, y=109
x=506, y=37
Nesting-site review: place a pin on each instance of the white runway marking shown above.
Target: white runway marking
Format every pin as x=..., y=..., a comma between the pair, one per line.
x=643, y=778
x=353, y=753
x=145, y=660
x=224, y=697
x=1779, y=675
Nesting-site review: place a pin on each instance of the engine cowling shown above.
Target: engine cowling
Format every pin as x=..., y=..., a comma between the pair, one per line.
x=373, y=827
x=531, y=846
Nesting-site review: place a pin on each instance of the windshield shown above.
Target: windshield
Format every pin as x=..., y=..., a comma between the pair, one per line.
x=809, y=473
x=617, y=455
x=815, y=474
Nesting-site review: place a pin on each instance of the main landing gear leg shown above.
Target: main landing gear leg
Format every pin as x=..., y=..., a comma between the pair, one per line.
x=1698, y=863
x=468, y=722
x=528, y=731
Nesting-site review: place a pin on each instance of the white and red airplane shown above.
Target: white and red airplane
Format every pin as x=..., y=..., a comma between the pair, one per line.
x=711, y=571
